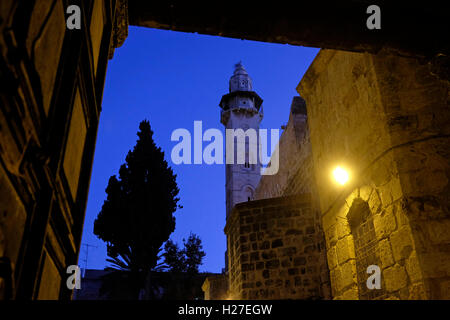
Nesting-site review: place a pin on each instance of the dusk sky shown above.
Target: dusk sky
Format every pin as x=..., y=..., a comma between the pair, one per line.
x=173, y=79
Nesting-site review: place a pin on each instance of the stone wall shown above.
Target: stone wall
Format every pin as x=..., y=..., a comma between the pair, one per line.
x=50, y=100
x=295, y=174
x=386, y=119
x=276, y=250
x=215, y=287
x=417, y=111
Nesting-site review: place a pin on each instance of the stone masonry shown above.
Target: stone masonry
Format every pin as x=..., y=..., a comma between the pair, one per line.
x=216, y=287
x=276, y=250
x=386, y=119
x=295, y=173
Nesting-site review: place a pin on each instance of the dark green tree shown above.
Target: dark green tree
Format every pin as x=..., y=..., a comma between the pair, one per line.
x=186, y=260
x=174, y=257
x=193, y=253
x=137, y=215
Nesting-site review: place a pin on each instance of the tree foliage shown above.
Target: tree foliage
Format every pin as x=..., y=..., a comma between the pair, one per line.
x=174, y=257
x=186, y=260
x=194, y=253
x=137, y=216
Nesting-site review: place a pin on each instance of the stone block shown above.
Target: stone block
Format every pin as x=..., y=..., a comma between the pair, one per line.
x=332, y=257
x=385, y=253
x=266, y=255
x=285, y=263
x=350, y=294
x=254, y=256
x=375, y=203
x=311, y=269
x=413, y=268
x=293, y=232
x=310, y=248
x=347, y=274
x=329, y=220
x=244, y=230
x=331, y=236
x=439, y=231
x=435, y=264
x=248, y=267
x=269, y=283
x=277, y=243
x=345, y=249
x=293, y=271
x=384, y=224
x=401, y=217
x=342, y=229
x=444, y=288
x=299, y=261
x=310, y=230
x=417, y=292
x=365, y=192
x=290, y=251
x=264, y=245
x=308, y=239
x=395, y=278
x=401, y=243
x=273, y=264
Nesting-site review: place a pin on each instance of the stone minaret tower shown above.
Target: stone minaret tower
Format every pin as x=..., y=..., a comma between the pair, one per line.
x=241, y=109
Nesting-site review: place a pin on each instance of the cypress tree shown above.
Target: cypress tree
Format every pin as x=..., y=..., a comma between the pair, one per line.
x=137, y=216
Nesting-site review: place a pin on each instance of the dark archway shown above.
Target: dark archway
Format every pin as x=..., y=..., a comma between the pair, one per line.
x=360, y=219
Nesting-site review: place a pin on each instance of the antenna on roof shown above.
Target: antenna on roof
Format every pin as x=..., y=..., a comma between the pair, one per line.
x=86, y=257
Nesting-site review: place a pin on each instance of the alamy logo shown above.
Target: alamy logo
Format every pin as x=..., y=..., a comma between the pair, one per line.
x=241, y=147
x=374, y=20
x=74, y=20
x=74, y=280
x=374, y=281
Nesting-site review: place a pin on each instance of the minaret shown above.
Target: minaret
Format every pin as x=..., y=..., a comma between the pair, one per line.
x=241, y=109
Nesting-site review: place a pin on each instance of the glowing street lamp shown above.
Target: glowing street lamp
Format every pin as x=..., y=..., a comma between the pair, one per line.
x=340, y=175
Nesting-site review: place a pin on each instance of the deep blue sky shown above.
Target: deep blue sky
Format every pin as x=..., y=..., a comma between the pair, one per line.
x=172, y=79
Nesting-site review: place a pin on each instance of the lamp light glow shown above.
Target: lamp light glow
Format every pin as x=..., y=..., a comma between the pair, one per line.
x=340, y=175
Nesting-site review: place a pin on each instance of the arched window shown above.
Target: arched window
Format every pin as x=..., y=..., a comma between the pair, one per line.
x=360, y=219
x=248, y=191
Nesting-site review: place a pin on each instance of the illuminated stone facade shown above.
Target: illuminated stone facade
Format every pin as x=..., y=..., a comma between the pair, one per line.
x=390, y=126
x=50, y=100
